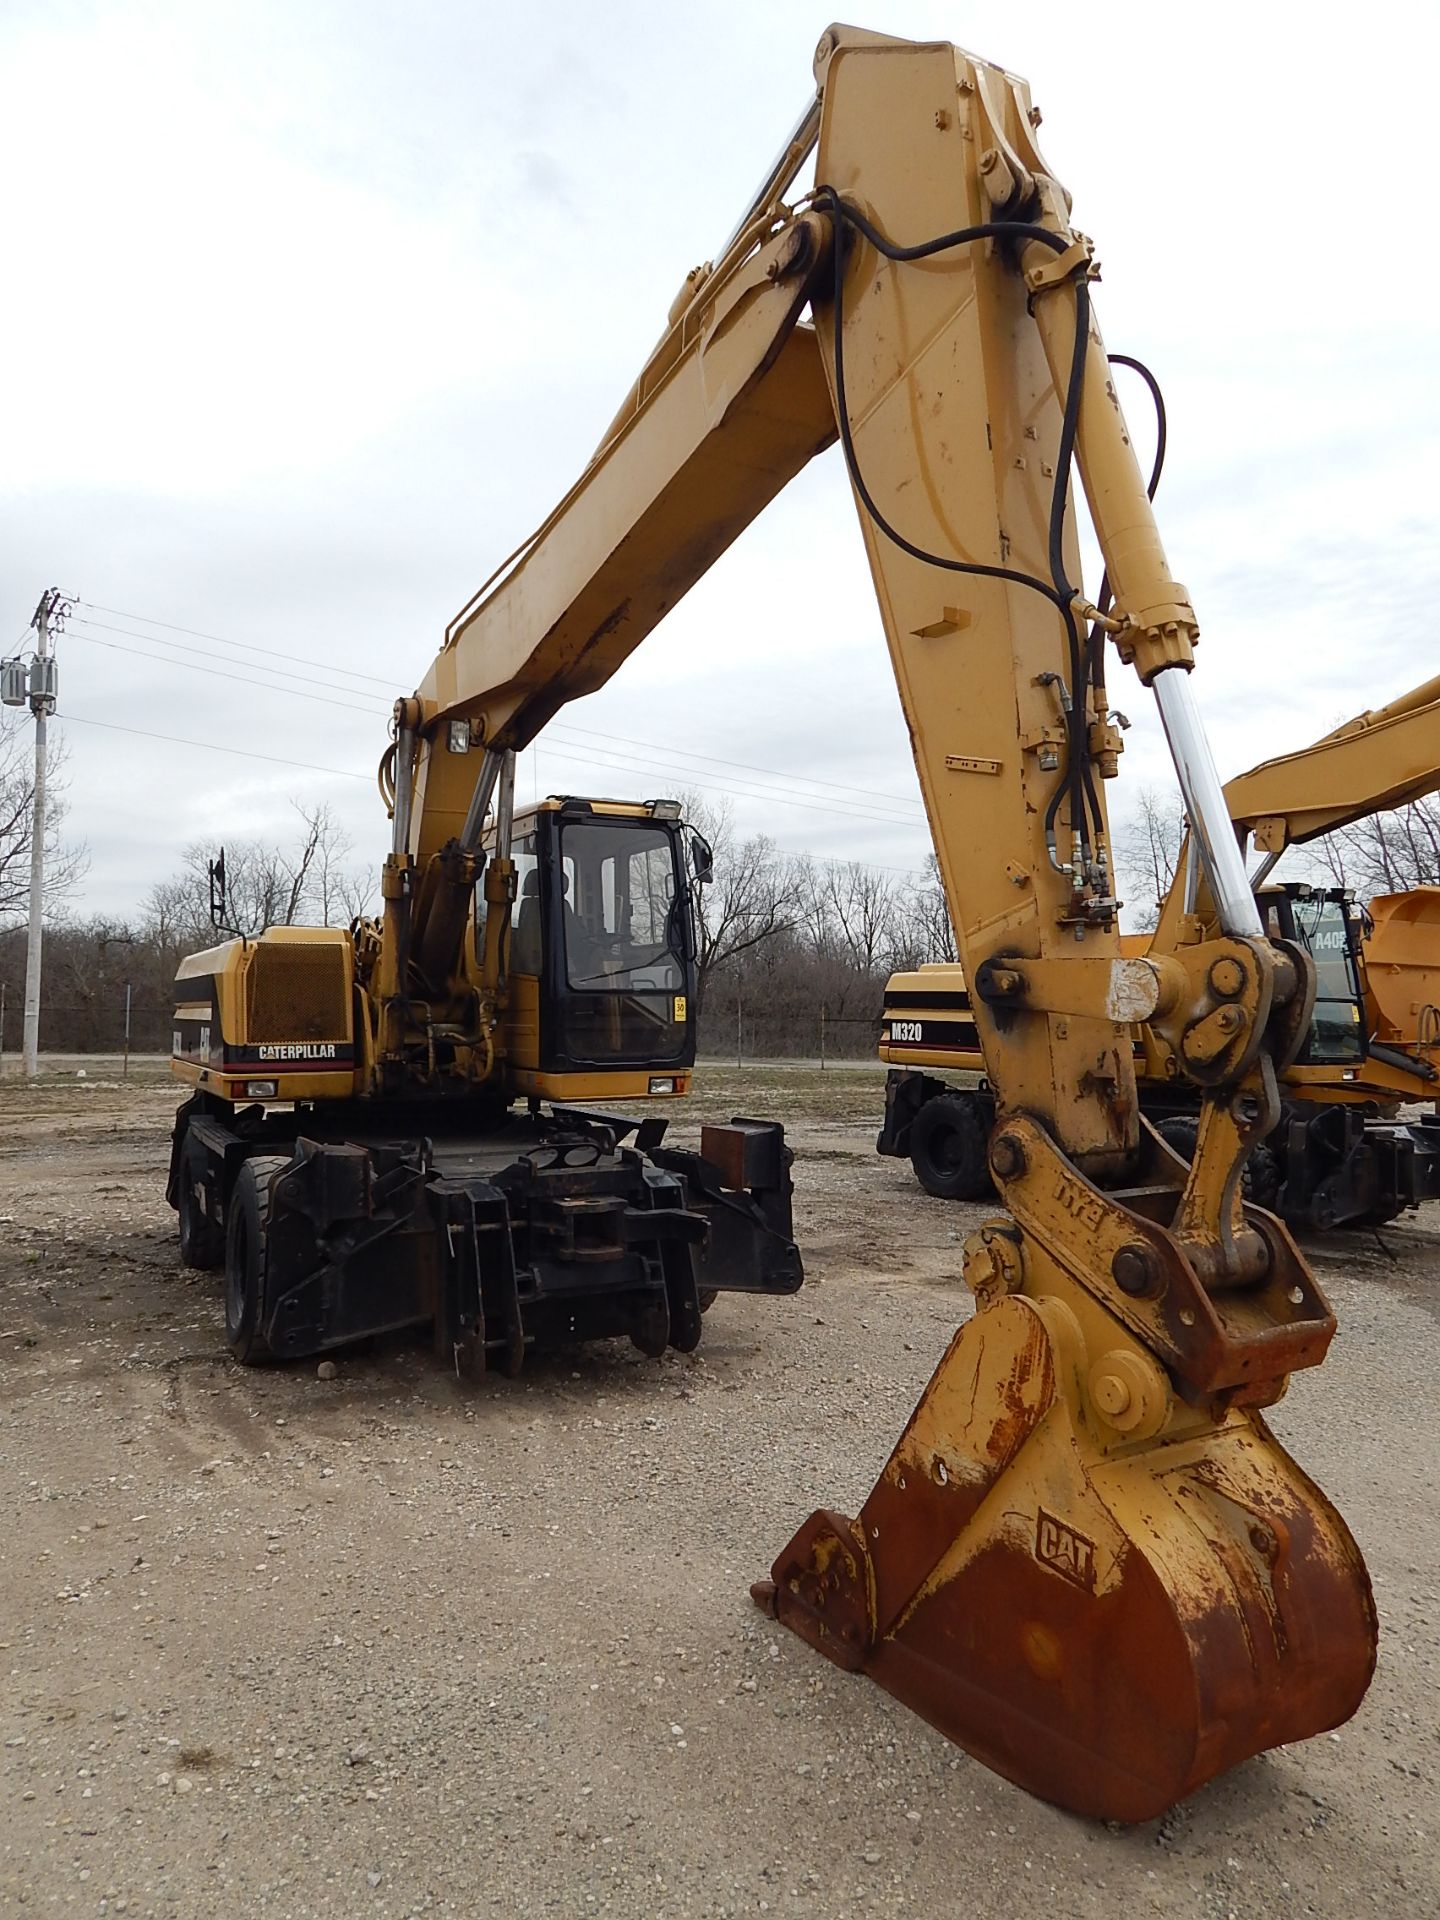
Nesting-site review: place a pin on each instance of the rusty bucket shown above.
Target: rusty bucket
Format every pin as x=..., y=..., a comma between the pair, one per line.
x=1107, y=1623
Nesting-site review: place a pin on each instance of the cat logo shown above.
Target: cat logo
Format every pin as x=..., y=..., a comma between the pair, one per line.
x=1065, y=1551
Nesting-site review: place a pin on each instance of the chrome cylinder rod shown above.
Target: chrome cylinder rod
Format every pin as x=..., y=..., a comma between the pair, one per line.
x=480, y=801
x=505, y=806
x=1205, y=804
x=781, y=175
x=404, y=789
x=1192, y=874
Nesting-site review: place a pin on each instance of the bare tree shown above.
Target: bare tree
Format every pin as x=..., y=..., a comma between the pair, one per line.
x=751, y=899
x=923, y=929
x=1387, y=853
x=343, y=892
x=863, y=905
x=1147, y=853
x=266, y=885
x=65, y=866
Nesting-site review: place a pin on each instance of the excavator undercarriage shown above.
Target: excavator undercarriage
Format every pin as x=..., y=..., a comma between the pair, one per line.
x=530, y=1236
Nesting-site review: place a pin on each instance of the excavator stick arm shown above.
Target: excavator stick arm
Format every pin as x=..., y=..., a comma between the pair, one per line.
x=1087, y=1560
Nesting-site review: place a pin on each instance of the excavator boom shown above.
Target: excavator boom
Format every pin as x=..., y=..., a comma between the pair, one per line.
x=732, y=406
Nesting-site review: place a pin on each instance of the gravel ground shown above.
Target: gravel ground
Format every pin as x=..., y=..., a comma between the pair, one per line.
x=379, y=1645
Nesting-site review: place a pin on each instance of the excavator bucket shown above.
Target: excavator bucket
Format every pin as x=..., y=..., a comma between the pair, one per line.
x=1108, y=1622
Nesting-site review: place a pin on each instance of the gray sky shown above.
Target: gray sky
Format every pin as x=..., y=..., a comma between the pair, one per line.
x=316, y=309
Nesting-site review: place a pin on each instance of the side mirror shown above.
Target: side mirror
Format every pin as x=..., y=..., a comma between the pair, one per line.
x=702, y=859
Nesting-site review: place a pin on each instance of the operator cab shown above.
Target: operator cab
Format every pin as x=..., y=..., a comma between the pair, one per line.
x=602, y=945
x=1323, y=921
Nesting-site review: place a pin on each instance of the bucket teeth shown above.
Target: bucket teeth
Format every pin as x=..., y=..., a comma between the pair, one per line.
x=1107, y=1628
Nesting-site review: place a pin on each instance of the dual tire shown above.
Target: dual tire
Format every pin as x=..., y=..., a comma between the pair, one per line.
x=949, y=1140
x=241, y=1246
x=247, y=1249
x=202, y=1239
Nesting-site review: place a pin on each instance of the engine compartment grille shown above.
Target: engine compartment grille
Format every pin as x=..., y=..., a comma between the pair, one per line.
x=297, y=992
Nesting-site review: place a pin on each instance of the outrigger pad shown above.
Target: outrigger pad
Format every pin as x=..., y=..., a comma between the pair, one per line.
x=1108, y=1629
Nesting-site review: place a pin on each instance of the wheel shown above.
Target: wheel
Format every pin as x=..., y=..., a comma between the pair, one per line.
x=202, y=1240
x=1260, y=1180
x=947, y=1147
x=247, y=1234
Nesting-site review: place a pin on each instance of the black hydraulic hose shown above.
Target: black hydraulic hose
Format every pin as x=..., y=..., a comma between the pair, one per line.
x=1161, y=430
x=1083, y=799
x=1074, y=385
x=1078, y=781
x=828, y=198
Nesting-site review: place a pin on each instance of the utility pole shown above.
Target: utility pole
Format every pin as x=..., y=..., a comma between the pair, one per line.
x=37, y=690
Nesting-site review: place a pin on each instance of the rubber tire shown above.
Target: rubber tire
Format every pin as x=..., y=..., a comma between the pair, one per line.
x=949, y=1141
x=247, y=1233
x=1180, y=1134
x=1261, y=1179
x=202, y=1240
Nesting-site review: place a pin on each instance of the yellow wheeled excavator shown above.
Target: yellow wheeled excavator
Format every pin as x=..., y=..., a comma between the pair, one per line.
x=347, y=1152
x=1342, y=1153
x=1088, y=1559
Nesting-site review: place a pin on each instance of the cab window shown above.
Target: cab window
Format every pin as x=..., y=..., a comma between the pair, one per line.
x=1335, y=1032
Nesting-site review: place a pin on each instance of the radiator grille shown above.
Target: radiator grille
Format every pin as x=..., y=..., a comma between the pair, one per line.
x=297, y=992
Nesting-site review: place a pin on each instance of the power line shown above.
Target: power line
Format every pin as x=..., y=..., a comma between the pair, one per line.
x=691, y=753
x=628, y=764
x=249, y=646
x=154, y=640
x=348, y=773
x=565, y=727
x=211, y=746
x=618, y=762
x=219, y=673
x=749, y=789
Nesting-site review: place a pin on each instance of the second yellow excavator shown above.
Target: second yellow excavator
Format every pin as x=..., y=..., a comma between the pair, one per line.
x=1341, y=1154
